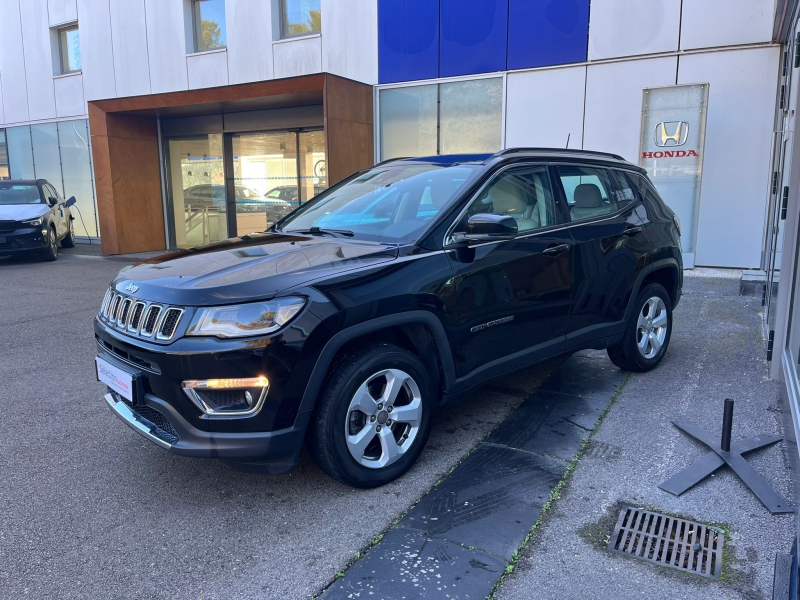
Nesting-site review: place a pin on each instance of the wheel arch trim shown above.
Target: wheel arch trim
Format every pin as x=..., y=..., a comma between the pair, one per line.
x=667, y=263
x=338, y=340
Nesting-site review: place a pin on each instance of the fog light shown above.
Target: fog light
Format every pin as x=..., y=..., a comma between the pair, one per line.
x=227, y=398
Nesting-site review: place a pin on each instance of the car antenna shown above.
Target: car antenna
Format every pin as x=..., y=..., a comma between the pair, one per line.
x=568, y=136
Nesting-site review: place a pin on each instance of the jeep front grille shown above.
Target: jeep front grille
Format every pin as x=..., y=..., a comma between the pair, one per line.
x=139, y=318
x=169, y=323
x=153, y=313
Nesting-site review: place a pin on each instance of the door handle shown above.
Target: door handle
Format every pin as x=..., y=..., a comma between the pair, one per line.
x=556, y=250
x=633, y=230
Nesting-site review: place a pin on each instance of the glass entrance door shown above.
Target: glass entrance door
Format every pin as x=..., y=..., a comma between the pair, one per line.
x=232, y=184
x=313, y=164
x=197, y=205
x=264, y=182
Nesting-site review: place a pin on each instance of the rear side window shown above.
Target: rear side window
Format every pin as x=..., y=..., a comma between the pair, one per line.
x=590, y=192
x=626, y=190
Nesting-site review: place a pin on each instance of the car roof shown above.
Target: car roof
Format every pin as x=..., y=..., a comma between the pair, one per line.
x=36, y=182
x=509, y=153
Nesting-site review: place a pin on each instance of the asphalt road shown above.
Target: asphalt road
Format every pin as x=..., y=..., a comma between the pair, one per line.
x=91, y=509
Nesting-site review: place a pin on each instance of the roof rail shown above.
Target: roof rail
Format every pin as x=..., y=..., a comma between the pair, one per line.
x=562, y=150
x=388, y=160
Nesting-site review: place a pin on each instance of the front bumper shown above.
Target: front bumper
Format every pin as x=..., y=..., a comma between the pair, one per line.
x=159, y=422
x=24, y=239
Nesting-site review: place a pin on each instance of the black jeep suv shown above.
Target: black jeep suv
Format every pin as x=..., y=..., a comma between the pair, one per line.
x=401, y=288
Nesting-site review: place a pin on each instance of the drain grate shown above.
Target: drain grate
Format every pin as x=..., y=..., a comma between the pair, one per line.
x=669, y=542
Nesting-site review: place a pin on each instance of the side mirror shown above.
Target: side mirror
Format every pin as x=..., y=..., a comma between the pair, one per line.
x=52, y=201
x=487, y=227
x=71, y=201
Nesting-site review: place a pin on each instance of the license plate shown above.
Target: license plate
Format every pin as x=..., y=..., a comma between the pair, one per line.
x=118, y=380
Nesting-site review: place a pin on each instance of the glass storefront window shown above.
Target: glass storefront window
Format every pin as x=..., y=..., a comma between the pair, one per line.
x=61, y=154
x=449, y=118
x=300, y=17
x=76, y=164
x=471, y=116
x=408, y=121
x=209, y=24
x=20, y=152
x=197, y=190
x=46, y=154
x=4, y=172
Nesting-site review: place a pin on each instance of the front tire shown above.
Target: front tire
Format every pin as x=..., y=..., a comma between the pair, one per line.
x=373, y=418
x=51, y=253
x=647, y=333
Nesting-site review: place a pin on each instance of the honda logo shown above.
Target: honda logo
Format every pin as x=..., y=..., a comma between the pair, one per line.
x=672, y=133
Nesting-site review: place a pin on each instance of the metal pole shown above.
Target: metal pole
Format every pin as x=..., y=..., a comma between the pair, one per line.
x=727, y=426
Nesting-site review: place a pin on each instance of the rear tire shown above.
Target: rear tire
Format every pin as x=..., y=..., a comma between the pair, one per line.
x=69, y=240
x=373, y=417
x=647, y=333
x=51, y=253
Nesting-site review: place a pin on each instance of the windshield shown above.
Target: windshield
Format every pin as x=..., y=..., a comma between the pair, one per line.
x=389, y=203
x=19, y=194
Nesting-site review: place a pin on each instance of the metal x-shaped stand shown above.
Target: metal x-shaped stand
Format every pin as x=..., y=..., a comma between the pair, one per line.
x=725, y=454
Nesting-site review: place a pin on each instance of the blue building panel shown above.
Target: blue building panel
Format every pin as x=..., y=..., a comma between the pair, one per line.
x=408, y=40
x=547, y=32
x=474, y=35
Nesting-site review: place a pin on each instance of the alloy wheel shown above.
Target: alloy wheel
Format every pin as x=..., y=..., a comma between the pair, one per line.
x=651, y=328
x=383, y=418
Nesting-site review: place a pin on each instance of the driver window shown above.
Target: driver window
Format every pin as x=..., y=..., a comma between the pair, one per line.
x=523, y=193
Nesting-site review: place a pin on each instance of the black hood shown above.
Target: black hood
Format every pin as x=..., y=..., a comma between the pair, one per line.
x=252, y=267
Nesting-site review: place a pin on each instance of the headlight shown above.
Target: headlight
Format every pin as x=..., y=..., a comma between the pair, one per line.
x=34, y=222
x=677, y=222
x=245, y=320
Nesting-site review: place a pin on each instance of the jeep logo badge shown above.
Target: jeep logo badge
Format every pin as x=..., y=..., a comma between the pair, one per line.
x=132, y=288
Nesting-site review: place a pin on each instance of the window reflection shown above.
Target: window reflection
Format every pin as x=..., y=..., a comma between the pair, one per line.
x=300, y=17
x=209, y=24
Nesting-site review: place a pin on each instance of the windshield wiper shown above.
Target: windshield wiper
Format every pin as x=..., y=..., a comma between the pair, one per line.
x=318, y=231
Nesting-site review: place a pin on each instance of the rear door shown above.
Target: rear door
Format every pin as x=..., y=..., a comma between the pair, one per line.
x=513, y=295
x=611, y=249
x=58, y=210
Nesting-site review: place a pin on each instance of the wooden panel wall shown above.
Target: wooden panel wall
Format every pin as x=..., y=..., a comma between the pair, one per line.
x=349, y=128
x=128, y=182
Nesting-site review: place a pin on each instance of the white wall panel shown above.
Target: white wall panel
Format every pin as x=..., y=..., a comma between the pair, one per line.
x=38, y=59
x=709, y=23
x=544, y=108
x=249, y=28
x=129, y=41
x=12, y=63
x=741, y=109
x=208, y=69
x=62, y=11
x=632, y=27
x=97, y=52
x=350, y=39
x=297, y=57
x=166, y=42
x=614, y=102
x=69, y=96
